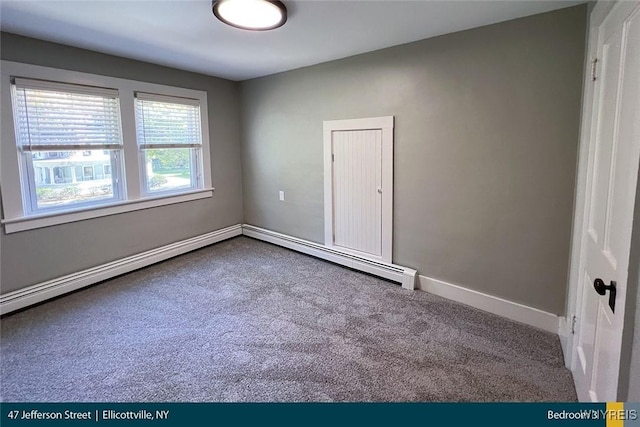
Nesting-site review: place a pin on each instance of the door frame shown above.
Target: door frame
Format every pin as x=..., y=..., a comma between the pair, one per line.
x=569, y=326
x=385, y=124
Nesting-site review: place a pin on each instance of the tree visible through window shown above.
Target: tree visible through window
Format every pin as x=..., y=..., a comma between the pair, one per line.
x=77, y=154
x=169, y=135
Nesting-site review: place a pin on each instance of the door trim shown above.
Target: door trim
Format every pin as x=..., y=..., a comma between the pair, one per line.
x=386, y=124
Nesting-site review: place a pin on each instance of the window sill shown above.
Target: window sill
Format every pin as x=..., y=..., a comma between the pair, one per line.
x=14, y=225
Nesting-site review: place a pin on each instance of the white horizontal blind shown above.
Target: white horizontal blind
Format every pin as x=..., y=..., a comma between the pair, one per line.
x=167, y=122
x=57, y=116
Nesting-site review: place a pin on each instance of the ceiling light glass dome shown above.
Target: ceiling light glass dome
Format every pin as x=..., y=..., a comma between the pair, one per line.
x=256, y=15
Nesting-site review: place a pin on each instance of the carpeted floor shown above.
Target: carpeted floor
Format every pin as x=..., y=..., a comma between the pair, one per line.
x=244, y=320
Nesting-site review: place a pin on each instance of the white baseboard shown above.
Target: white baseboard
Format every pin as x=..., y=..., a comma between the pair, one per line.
x=407, y=276
x=404, y=275
x=509, y=309
x=37, y=293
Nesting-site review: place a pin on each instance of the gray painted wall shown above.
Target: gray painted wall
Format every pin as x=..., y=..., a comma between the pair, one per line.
x=34, y=256
x=485, y=150
x=629, y=378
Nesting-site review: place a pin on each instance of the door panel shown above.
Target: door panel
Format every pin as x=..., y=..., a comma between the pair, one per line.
x=357, y=182
x=605, y=356
x=587, y=334
x=601, y=175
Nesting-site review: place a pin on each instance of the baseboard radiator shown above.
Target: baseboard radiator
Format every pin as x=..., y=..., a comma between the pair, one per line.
x=403, y=275
x=411, y=280
x=407, y=277
x=46, y=290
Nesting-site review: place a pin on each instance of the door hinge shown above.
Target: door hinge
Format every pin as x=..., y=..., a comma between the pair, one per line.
x=333, y=159
x=573, y=325
x=594, y=67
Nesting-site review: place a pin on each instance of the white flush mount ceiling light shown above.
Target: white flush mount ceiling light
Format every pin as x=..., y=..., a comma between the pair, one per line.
x=256, y=15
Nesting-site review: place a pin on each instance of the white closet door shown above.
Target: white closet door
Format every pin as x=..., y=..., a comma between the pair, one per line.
x=357, y=190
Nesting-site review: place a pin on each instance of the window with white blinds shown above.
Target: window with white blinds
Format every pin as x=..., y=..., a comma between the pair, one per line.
x=56, y=116
x=166, y=121
x=169, y=136
x=76, y=145
x=69, y=138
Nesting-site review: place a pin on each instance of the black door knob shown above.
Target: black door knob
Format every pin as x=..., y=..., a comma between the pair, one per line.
x=602, y=289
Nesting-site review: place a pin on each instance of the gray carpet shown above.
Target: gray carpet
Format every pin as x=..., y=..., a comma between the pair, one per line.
x=244, y=320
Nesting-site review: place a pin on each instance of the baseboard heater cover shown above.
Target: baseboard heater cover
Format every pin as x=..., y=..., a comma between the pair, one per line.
x=403, y=275
x=408, y=277
x=411, y=280
x=52, y=288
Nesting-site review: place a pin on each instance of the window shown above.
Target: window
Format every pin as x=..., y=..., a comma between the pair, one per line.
x=55, y=124
x=102, y=147
x=169, y=137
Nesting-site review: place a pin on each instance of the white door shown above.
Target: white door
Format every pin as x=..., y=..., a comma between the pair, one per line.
x=358, y=186
x=357, y=190
x=614, y=153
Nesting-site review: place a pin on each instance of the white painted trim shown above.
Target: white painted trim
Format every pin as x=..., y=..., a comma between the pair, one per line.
x=43, y=291
x=387, y=189
x=404, y=275
x=386, y=125
x=55, y=218
x=501, y=307
x=328, y=186
x=359, y=124
x=566, y=338
x=407, y=277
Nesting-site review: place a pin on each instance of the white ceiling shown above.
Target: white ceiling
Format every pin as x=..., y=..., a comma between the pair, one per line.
x=184, y=33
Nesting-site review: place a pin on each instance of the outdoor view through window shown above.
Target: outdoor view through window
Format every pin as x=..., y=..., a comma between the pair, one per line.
x=69, y=137
x=168, y=133
x=71, y=144
x=66, y=177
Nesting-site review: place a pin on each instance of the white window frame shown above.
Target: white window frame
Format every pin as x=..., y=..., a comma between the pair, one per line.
x=28, y=181
x=16, y=218
x=196, y=149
